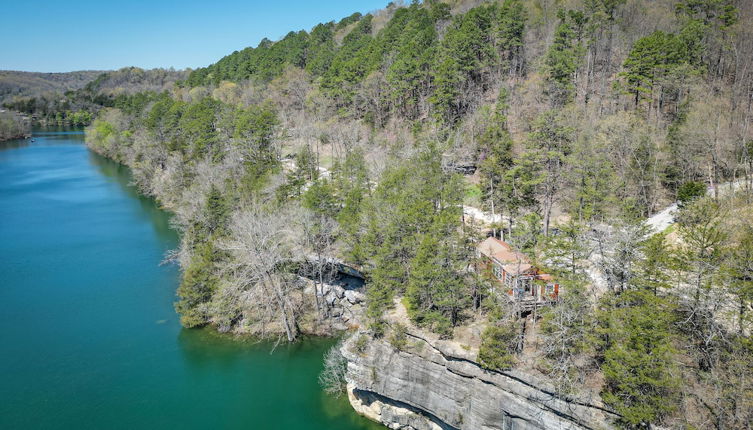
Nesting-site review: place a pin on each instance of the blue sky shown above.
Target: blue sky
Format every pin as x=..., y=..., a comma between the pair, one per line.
x=61, y=36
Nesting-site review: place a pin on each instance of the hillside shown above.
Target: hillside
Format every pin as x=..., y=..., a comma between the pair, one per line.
x=30, y=84
x=72, y=98
x=572, y=122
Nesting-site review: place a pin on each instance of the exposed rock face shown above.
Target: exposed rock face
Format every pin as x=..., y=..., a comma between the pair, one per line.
x=344, y=301
x=428, y=388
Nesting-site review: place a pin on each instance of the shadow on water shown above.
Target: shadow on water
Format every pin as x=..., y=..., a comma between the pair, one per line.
x=282, y=377
x=14, y=144
x=122, y=175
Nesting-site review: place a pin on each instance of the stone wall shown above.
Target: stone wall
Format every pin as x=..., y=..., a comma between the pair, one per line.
x=425, y=387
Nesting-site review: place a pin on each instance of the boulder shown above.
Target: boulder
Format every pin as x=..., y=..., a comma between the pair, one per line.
x=354, y=297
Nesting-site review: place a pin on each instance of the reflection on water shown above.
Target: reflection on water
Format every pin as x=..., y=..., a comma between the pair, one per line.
x=14, y=144
x=122, y=175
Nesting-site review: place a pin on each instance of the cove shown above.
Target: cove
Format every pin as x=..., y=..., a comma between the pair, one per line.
x=88, y=334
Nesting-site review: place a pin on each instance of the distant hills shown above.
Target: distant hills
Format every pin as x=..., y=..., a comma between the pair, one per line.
x=30, y=84
x=73, y=97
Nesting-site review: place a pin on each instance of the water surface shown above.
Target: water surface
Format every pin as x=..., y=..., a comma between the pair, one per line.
x=88, y=334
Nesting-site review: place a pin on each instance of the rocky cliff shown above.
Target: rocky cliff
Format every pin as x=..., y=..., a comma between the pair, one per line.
x=427, y=385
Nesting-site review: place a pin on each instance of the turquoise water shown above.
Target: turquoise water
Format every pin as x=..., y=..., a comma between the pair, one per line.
x=88, y=334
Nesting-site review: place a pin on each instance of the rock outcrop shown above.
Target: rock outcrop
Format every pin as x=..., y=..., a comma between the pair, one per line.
x=425, y=386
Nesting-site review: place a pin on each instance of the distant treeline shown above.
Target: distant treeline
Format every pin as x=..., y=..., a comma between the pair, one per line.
x=79, y=103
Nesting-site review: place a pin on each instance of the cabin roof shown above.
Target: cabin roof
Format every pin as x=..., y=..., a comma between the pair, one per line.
x=512, y=261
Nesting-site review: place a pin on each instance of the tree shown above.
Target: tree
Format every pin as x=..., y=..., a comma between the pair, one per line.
x=332, y=378
x=654, y=270
x=510, y=30
x=415, y=197
x=637, y=353
x=499, y=344
x=437, y=289
x=621, y=254
x=739, y=264
x=704, y=246
x=261, y=286
x=495, y=147
x=563, y=57
x=700, y=227
x=549, y=144
x=567, y=329
x=651, y=59
x=567, y=249
x=690, y=191
x=197, y=286
x=320, y=234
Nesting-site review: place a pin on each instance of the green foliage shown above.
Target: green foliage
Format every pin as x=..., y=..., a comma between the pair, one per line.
x=197, y=285
x=411, y=38
x=399, y=337
x=566, y=250
x=217, y=213
x=495, y=145
x=351, y=184
x=414, y=201
x=198, y=126
x=739, y=266
x=355, y=59
x=437, y=291
x=486, y=39
x=563, y=57
x=641, y=381
x=320, y=197
x=360, y=344
x=652, y=58
x=690, y=191
x=499, y=345
x=655, y=269
x=306, y=170
x=12, y=126
x=721, y=13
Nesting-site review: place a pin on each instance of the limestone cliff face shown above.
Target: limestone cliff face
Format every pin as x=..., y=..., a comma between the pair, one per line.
x=425, y=386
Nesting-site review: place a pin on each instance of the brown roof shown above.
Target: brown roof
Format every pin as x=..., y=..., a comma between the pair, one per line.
x=511, y=260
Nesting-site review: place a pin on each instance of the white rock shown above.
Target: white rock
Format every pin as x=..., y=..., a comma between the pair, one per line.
x=354, y=296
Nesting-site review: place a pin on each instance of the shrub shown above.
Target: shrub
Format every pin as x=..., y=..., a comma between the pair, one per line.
x=399, y=337
x=498, y=346
x=690, y=191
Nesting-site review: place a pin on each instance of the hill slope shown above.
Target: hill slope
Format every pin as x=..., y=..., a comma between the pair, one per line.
x=571, y=121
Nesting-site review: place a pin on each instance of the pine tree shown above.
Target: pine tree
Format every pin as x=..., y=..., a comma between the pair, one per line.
x=641, y=381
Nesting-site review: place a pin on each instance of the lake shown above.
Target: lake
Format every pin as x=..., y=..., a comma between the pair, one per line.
x=88, y=334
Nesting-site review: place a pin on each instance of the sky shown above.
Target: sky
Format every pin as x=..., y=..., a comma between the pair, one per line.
x=63, y=36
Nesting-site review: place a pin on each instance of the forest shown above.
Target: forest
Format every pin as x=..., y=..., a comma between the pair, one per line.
x=573, y=121
x=74, y=98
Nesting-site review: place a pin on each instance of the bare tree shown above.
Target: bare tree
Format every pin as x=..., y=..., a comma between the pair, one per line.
x=332, y=378
x=260, y=245
x=319, y=234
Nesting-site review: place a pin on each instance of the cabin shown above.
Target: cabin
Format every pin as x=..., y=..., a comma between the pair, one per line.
x=517, y=278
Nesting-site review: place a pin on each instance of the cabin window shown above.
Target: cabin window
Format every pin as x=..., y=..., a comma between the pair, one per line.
x=497, y=271
x=550, y=289
x=527, y=286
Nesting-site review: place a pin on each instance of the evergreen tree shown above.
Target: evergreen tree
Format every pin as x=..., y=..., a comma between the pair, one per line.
x=495, y=146
x=641, y=381
x=563, y=57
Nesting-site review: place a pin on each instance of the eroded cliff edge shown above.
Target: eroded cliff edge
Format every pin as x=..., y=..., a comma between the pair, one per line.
x=426, y=385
